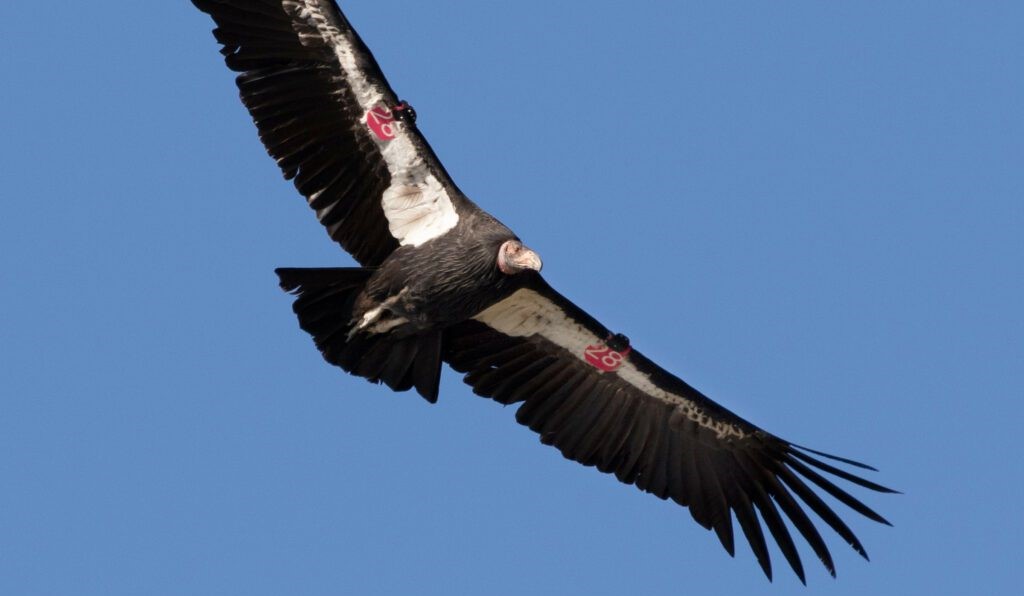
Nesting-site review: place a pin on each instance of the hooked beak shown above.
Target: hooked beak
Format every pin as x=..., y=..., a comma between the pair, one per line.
x=526, y=259
x=514, y=258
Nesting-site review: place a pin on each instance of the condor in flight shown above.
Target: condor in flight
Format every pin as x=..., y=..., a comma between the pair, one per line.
x=442, y=280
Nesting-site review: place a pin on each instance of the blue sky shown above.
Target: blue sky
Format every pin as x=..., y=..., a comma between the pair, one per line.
x=813, y=213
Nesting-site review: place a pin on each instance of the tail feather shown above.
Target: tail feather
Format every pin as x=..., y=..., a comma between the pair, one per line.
x=373, y=361
x=396, y=372
x=324, y=304
x=295, y=278
x=426, y=369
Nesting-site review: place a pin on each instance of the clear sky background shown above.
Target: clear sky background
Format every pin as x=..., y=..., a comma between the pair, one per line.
x=813, y=213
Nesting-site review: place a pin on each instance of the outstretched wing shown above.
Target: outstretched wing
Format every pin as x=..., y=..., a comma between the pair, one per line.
x=604, y=404
x=328, y=117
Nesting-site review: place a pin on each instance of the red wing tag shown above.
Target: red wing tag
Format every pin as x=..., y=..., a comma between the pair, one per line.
x=604, y=358
x=382, y=123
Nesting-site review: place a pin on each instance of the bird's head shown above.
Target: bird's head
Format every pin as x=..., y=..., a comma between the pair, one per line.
x=514, y=258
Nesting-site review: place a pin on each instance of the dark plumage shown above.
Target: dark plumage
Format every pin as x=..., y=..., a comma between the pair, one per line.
x=441, y=280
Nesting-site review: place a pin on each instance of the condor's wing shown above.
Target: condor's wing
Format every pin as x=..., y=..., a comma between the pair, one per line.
x=328, y=117
x=604, y=404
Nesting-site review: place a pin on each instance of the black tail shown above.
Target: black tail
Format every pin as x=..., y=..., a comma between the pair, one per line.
x=324, y=306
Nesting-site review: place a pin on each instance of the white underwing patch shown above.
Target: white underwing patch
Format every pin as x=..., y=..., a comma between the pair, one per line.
x=417, y=206
x=527, y=313
x=414, y=213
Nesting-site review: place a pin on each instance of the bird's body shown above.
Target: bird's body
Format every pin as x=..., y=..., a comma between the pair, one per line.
x=448, y=279
x=443, y=281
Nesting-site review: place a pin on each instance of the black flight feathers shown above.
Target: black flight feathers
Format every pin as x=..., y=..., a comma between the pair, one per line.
x=603, y=421
x=297, y=95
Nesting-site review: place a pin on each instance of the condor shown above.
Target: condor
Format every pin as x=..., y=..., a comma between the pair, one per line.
x=443, y=281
